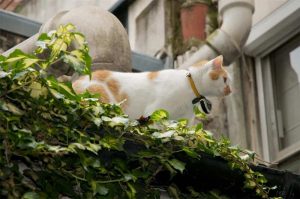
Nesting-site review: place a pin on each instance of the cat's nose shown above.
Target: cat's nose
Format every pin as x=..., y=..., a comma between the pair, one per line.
x=227, y=90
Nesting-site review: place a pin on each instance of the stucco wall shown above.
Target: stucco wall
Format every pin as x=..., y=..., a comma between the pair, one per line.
x=146, y=26
x=265, y=7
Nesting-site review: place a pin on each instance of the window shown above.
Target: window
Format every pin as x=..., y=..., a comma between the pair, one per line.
x=274, y=43
x=285, y=66
x=278, y=84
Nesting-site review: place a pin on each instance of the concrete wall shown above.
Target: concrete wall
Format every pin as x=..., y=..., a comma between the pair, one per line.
x=146, y=26
x=41, y=10
x=264, y=7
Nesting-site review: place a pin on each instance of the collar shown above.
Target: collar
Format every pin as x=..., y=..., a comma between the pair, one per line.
x=204, y=103
x=192, y=84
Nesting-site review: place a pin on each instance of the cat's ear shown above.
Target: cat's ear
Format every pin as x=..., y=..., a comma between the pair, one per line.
x=217, y=63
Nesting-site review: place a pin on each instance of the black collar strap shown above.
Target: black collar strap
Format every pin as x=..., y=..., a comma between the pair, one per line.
x=204, y=103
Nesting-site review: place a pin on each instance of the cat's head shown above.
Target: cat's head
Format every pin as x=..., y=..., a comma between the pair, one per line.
x=215, y=79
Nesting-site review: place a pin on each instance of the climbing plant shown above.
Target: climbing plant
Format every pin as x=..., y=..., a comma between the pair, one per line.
x=55, y=143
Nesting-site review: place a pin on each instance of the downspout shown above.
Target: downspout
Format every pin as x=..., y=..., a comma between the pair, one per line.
x=230, y=38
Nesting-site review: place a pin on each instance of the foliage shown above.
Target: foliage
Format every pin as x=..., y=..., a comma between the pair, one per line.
x=55, y=143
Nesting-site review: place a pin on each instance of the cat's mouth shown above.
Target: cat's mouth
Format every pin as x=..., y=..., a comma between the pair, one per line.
x=227, y=90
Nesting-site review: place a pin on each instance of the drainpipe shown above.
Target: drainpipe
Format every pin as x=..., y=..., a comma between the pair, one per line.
x=230, y=38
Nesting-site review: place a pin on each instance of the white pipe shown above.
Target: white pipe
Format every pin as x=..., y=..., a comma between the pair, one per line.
x=229, y=39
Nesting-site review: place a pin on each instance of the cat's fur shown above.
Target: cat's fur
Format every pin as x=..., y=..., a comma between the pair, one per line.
x=148, y=91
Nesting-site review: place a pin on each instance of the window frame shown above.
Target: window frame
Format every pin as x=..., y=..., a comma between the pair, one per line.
x=266, y=36
x=268, y=119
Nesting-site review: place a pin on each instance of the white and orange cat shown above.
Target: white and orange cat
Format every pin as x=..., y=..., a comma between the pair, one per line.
x=146, y=92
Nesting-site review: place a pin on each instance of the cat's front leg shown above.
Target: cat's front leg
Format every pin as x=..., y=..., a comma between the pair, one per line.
x=68, y=78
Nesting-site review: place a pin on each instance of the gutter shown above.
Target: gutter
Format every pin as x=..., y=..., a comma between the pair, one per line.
x=219, y=176
x=274, y=30
x=230, y=38
x=18, y=24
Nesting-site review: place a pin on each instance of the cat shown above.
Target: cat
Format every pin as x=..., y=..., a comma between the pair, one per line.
x=171, y=89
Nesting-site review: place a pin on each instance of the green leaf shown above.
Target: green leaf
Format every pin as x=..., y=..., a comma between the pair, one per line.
x=250, y=153
x=132, y=192
x=99, y=189
x=3, y=74
x=250, y=184
x=58, y=46
x=44, y=37
x=199, y=127
x=6, y=106
x=29, y=62
x=191, y=153
x=26, y=59
x=159, y=115
x=31, y=195
x=57, y=94
x=119, y=120
x=2, y=58
x=75, y=63
x=199, y=114
x=15, y=58
x=111, y=142
x=177, y=164
x=79, y=38
x=43, y=42
x=173, y=191
x=129, y=176
x=183, y=122
x=83, y=58
x=97, y=121
x=37, y=90
x=93, y=147
x=64, y=89
x=76, y=146
x=78, y=54
x=69, y=27
x=88, y=64
x=166, y=134
x=57, y=149
x=258, y=191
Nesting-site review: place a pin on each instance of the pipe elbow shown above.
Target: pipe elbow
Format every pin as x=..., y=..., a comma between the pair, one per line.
x=229, y=39
x=236, y=18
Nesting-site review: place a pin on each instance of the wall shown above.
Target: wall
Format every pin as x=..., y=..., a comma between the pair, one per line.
x=41, y=10
x=9, y=40
x=146, y=26
x=264, y=7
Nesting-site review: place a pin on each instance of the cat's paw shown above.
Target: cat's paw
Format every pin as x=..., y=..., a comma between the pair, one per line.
x=64, y=78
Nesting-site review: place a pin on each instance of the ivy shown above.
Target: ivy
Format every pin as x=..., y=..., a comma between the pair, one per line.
x=55, y=143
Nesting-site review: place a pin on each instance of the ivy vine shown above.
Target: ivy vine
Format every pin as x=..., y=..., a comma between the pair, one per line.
x=55, y=143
